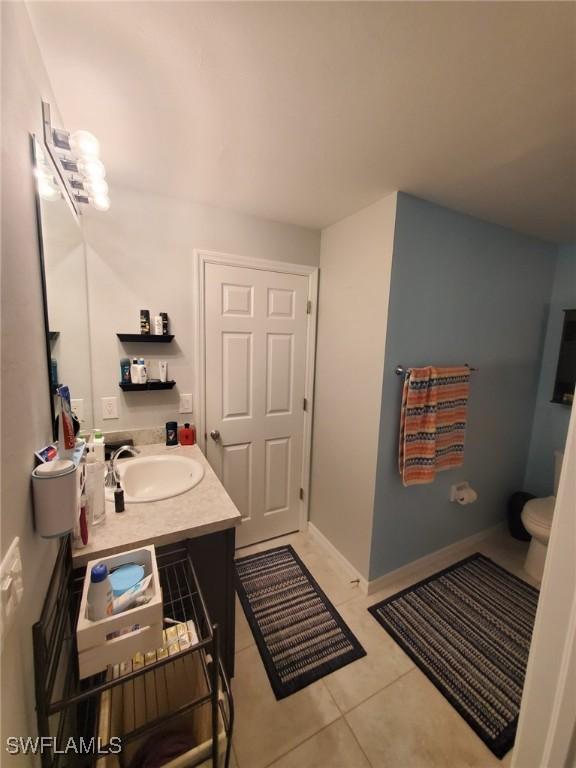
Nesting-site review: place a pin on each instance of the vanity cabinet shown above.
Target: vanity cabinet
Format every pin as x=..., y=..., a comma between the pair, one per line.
x=213, y=558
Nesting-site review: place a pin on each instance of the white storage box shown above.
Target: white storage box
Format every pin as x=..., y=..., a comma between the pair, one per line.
x=95, y=651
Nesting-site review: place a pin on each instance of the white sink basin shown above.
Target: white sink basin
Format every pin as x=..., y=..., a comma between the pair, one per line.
x=152, y=478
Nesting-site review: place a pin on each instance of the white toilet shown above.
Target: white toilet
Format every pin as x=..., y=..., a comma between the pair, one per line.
x=537, y=519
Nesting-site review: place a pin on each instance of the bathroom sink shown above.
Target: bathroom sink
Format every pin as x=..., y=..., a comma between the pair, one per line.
x=152, y=478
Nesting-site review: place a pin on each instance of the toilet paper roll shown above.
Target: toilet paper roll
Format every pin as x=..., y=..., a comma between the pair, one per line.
x=466, y=496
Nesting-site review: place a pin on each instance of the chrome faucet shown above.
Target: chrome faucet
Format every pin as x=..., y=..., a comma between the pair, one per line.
x=112, y=475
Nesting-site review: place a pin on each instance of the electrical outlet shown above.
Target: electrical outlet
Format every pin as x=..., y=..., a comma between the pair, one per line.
x=185, y=403
x=78, y=408
x=109, y=407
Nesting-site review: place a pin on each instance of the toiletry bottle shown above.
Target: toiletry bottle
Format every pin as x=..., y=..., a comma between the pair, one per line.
x=145, y=322
x=66, y=436
x=95, y=474
x=118, y=498
x=135, y=372
x=187, y=435
x=171, y=433
x=158, y=325
x=142, y=370
x=162, y=370
x=125, y=377
x=165, y=329
x=99, y=446
x=80, y=532
x=100, y=598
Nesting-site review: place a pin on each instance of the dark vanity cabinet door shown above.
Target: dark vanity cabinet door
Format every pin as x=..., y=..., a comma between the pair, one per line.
x=213, y=559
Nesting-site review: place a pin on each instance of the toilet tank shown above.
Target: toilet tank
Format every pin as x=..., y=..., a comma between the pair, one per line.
x=558, y=456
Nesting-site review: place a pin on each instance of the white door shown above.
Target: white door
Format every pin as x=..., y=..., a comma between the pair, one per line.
x=256, y=329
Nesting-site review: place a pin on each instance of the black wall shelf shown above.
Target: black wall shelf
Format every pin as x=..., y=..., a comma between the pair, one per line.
x=148, y=338
x=127, y=387
x=53, y=335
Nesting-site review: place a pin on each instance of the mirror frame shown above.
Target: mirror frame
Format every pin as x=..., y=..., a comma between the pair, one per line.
x=64, y=191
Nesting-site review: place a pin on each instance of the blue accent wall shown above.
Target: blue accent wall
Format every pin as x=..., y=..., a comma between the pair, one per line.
x=462, y=291
x=550, y=425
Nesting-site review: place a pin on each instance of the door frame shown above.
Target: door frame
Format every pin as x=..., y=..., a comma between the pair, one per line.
x=203, y=257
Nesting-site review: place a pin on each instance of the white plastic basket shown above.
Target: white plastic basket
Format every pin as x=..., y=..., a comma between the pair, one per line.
x=137, y=630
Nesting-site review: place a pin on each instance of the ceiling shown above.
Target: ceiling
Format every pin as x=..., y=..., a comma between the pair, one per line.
x=306, y=112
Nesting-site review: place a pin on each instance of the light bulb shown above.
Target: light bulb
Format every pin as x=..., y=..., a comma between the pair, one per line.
x=96, y=187
x=84, y=144
x=100, y=202
x=92, y=168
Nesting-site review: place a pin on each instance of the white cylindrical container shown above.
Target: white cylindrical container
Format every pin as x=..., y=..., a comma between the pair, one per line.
x=158, y=325
x=135, y=372
x=95, y=472
x=162, y=369
x=100, y=596
x=55, y=490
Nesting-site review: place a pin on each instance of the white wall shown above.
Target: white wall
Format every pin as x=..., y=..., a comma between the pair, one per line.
x=25, y=400
x=140, y=257
x=355, y=267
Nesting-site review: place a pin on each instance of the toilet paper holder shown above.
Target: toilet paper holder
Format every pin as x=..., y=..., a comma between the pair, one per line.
x=462, y=493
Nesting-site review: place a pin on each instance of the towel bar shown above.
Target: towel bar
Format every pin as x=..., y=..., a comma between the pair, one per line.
x=400, y=370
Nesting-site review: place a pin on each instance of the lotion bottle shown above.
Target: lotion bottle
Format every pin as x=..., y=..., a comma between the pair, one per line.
x=135, y=372
x=100, y=597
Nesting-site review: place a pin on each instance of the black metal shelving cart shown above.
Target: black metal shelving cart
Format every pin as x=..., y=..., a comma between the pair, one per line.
x=183, y=686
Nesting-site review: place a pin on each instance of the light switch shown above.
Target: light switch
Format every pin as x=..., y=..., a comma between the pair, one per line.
x=185, y=403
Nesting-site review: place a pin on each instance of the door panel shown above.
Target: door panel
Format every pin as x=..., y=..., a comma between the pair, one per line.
x=236, y=375
x=277, y=475
x=279, y=373
x=256, y=334
x=237, y=475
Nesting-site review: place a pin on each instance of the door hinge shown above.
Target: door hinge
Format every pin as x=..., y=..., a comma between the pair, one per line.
x=305, y=404
x=309, y=307
x=301, y=494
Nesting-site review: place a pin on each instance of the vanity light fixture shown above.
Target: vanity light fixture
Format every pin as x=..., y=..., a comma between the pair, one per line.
x=76, y=156
x=47, y=185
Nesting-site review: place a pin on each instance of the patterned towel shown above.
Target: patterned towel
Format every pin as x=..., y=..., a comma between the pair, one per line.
x=432, y=422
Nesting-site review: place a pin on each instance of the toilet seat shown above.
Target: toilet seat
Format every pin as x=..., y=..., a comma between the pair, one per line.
x=538, y=513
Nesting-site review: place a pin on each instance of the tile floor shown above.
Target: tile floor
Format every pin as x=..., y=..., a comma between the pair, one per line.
x=378, y=712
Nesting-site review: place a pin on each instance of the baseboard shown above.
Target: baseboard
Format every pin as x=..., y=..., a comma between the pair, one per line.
x=415, y=569
x=337, y=555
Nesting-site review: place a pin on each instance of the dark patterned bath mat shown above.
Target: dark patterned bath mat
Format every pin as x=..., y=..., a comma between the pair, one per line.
x=468, y=628
x=300, y=635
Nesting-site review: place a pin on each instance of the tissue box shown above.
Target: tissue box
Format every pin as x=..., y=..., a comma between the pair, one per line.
x=140, y=627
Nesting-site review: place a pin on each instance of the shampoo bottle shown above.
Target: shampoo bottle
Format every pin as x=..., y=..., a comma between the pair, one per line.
x=143, y=371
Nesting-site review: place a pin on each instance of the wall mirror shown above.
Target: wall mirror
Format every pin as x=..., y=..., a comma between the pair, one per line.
x=65, y=288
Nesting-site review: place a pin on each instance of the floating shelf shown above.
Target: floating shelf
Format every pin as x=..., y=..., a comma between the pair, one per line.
x=147, y=338
x=53, y=335
x=149, y=385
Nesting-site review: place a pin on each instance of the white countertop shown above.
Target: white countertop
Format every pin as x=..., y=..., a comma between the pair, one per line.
x=204, y=509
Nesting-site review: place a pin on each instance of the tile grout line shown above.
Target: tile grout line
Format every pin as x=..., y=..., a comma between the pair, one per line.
x=357, y=740
x=308, y=738
x=344, y=714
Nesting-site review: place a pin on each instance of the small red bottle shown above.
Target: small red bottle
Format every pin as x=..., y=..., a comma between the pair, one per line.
x=187, y=435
